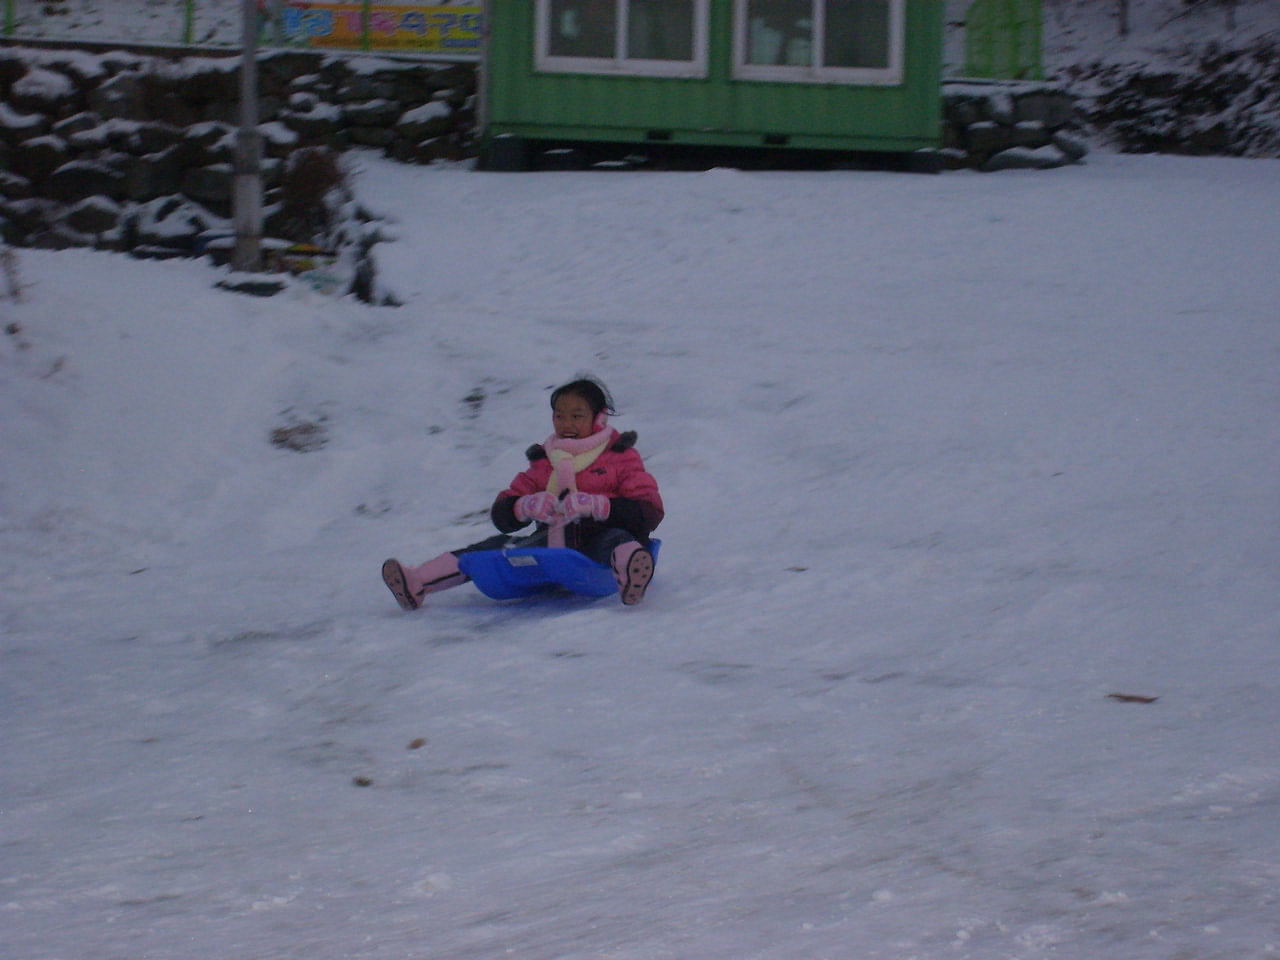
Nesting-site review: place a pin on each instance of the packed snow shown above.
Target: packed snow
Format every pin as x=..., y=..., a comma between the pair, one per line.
x=963, y=641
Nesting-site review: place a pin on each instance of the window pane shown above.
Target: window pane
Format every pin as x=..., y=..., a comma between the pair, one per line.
x=857, y=34
x=780, y=32
x=582, y=28
x=660, y=29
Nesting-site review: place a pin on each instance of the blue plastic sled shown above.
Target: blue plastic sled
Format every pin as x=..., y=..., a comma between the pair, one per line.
x=524, y=571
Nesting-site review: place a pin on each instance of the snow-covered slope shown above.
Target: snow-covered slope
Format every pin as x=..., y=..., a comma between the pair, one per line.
x=1160, y=33
x=1188, y=77
x=948, y=461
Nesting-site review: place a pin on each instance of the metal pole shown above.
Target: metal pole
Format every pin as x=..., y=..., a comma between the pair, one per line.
x=482, y=75
x=246, y=196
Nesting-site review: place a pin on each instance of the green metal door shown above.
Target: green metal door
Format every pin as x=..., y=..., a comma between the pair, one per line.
x=1002, y=40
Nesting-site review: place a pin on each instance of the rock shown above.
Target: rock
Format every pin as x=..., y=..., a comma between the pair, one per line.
x=277, y=139
x=1071, y=145
x=13, y=186
x=413, y=87
x=458, y=75
x=212, y=142
x=225, y=112
x=362, y=89
x=59, y=236
x=175, y=223
x=123, y=97
x=256, y=286
x=85, y=178
x=16, y=127
x=209, y=184
x=428, y=120
x=154, y=175
x=371, y=136
x=303, y=101
x=1213, y=140
x=963, y=109
x=44, y=91
x=154, y=136
x=1029, y=133
x=280, y=70
x=272, y=171
x=32, y=214
x=12, y=67
x=77, y=123
x=314, y=84
x=37, y=158
x=1023, y=158
x=999, y=107
x=268, y=106
x=952, y=136
x=88, y=72
x=206, y=80
x=9, y=232
x=167, y=105
x=372, y=113
x=94, y=138
x=97, y=215
x=316, y=125
x=987, y=137
x=149, y=252
x=1051, y=108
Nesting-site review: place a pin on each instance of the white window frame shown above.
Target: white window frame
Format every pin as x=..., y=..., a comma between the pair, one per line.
x=890, y=75
x=620, y=64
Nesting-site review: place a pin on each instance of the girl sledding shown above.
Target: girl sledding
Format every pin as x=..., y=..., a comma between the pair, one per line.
x=587, y=491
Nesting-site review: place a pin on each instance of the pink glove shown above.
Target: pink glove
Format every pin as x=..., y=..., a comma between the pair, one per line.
x=576, y=506
x=541, y=507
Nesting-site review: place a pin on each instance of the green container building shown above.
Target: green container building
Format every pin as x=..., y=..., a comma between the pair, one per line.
x=827, y=76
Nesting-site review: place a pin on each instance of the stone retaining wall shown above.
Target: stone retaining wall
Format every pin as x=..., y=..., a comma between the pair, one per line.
x=1002, y=125
x=128, y=151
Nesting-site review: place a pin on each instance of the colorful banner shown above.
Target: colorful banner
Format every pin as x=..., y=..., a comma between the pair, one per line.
x=362, y=26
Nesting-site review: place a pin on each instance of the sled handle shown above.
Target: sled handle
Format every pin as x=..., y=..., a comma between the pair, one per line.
x=555, y=532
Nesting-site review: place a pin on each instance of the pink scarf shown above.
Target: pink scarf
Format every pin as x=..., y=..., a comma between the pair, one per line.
x=570, y=456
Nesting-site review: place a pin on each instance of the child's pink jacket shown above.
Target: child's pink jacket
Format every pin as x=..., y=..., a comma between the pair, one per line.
x=634, y=502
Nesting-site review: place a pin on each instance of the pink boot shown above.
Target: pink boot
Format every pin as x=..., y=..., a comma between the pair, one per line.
x=410, y=584
x=633, y=569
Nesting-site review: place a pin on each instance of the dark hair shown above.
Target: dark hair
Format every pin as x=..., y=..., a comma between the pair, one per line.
x=589, y=390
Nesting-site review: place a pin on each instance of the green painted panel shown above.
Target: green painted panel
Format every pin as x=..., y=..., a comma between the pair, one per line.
x=717, y=108
x=1002, y=40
